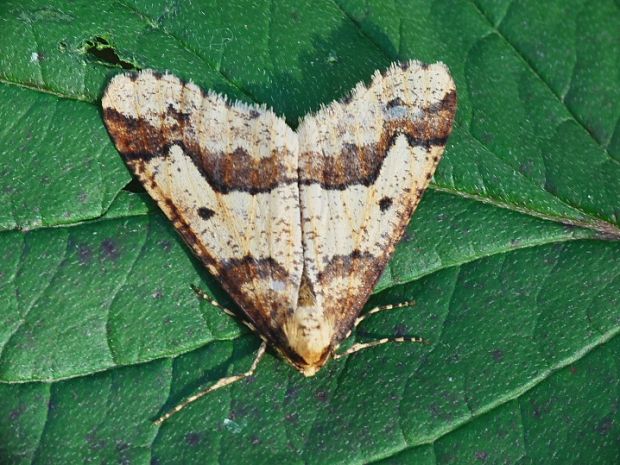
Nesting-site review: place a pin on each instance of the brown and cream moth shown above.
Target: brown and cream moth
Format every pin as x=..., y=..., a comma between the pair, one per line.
x=296, y=225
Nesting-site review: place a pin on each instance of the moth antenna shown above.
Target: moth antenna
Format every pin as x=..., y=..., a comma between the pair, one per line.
x=380, y=308
x=219, y=384
x=367, y=345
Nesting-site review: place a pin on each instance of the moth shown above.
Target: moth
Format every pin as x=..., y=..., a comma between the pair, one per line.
x=297, y=226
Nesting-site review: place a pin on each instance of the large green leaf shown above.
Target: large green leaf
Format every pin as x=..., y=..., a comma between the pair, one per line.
x=510, y=257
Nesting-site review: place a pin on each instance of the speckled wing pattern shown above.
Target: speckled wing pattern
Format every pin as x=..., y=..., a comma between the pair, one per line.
x=297, y=226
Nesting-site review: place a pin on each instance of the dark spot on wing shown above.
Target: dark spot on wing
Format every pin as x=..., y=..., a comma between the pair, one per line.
x=385, y=203
x=205, y=213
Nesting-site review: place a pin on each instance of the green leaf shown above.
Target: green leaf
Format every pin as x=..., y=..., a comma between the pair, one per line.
x=510, y=257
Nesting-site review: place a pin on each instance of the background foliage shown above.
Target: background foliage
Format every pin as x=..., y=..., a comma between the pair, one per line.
x=512, y=257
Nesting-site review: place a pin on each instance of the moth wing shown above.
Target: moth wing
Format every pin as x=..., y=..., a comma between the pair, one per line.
x=364, y=165
x=225, y=175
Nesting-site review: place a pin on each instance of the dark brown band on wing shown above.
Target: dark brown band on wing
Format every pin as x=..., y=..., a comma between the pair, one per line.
x=362, y=164
x=252, y=283
x=251, y=280
x=269, y=316
x=136, y=139
x=342, y=266
x=365, y=267
x=236, y=269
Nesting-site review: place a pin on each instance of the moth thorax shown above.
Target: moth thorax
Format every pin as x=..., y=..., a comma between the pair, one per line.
x=309, y=334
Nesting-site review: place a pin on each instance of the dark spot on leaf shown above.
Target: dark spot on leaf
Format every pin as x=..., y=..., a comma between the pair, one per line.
x=205, y=213
x=123, y=451
x=550, y=187
x=407, y=237
x=16, y=413
x=363, y=332
x=487, y=138
x=85, y=254
x=292, y=393
x=538, y=409
x=321, y=396
x=255, y=440
x=109, y=249
x=605, y=425
x=166, y=245
x=481, y=455
x=526, y=167
x=498, y=355
x=292, y=418
x=94, y=443
x=439, y=413
x=385, y=203
x=193, y=439
x=400, y=330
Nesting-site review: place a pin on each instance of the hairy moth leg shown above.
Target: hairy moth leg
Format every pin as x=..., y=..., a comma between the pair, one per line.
x=219, y=384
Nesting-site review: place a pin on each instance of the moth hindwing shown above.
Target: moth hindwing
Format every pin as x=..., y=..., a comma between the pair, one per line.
x=296, y=225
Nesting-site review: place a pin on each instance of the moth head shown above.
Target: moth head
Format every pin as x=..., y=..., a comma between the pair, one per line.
x=309, y=336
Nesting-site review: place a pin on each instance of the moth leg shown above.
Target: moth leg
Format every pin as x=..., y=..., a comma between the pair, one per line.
x=366, y=345
x=204, y=296
x=372, y=311
x=219, y=384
